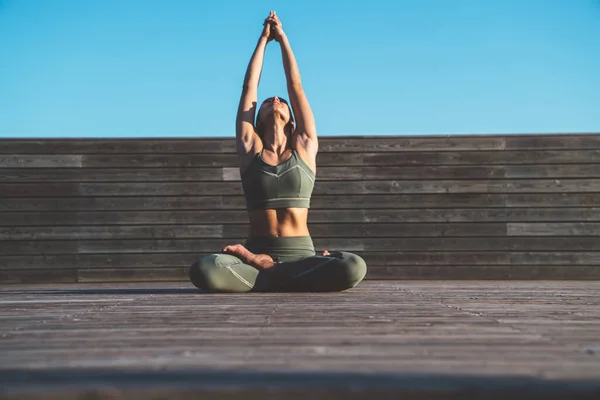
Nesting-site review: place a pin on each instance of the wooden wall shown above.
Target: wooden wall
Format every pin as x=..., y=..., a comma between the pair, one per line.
x=443, y=207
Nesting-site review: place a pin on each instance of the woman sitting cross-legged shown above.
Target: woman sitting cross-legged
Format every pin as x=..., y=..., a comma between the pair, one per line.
x=278, y=169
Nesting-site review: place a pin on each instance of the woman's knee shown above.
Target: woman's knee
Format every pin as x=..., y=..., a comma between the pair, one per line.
x=201, y=272
x=356, y=268
x=212, y=273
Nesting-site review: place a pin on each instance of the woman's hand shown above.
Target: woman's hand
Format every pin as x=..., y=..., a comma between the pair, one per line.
x=267, y=27
x=276, y=27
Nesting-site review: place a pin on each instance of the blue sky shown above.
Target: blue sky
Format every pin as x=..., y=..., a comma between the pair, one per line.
x=174, y=68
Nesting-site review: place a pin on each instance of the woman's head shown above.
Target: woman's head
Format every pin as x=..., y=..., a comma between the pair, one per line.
x=271, y=108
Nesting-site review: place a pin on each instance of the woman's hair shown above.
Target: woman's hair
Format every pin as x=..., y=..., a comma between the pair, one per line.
x=288, y=129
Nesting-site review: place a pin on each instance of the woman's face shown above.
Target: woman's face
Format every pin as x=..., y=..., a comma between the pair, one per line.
x=274, y=105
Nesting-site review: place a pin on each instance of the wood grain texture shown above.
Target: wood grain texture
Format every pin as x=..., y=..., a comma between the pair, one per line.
x=486, y=205
x=375, y=272
x=352, y=201
x=372, y=258
x=435, y=339
x=230, y=159
x=322, y=187
x=486, y=272
x=220, y=145
x=333, y=217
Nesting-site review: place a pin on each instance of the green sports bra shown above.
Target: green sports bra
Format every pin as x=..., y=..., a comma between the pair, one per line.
x=286, y=185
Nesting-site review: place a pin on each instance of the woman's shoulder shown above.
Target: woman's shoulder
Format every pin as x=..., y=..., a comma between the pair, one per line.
x=309, y=158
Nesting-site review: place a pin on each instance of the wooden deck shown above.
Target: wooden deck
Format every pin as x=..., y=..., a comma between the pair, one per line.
x=417, y=339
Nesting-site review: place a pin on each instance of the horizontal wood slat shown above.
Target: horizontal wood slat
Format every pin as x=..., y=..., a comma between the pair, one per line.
x=115, y=246
x=333, y=217
x=358, y=144
x=414, y=207
x=229, y=160
x=220, y=145
x=360, y=201
x=381, y=258
x=574, y=171
x=62, y=189
x=239, y=230
x=316, y=230
x=454, y=272
x=55, y=275
x=488, y=272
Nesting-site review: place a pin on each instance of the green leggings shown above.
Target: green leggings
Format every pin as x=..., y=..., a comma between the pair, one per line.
x=298, y=268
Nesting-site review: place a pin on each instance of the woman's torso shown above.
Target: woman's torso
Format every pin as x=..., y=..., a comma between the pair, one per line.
x=281, y=221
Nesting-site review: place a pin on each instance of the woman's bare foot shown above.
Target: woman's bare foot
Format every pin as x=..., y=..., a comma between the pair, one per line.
x=261, y=261
x=325, y=253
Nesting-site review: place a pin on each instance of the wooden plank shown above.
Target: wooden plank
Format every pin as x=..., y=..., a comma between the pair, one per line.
x=345, y=244
x=347, y=187
x=386, y=230
x=231, y=160
x=474, y=215
x=208, y=245
x=414, y=143
x=514, y=243
x=321, y=187
x=13, y=276
x=552, y=200
x=525, y=258
x=93, y=261
x=317, y=202
x=114, y=146
x=116, y=203
x=553, y=171
x=331, y=216
x=326, y=144
x=381, y=173
x=176, y=160
x=399, y=200
x=40, y=161
x=132, y=275
x=554, y=258
x=12, y=219
x=466, y=186
x=323, y=201
x=487, y=272
x=160, y=160
x=553, y=229
x=446, y=172
x=220, y=145
x=111, y=232
x=23, y=175
x=526, y=142
x=502, y=157
x=110, y=174
x=39, y=189
x=376, y=258
x=18, y=247
x=163, y=189
x=226, y=231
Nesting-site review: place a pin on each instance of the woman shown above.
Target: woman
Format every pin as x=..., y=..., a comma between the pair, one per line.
x=278, y=169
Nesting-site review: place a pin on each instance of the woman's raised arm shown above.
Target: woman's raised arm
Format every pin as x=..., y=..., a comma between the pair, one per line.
x=306, y=129
x=244, y=124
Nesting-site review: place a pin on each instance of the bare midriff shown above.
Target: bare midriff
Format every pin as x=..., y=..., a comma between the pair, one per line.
x=279, y=222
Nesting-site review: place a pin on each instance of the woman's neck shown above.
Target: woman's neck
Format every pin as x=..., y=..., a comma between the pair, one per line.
x=275, y=140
